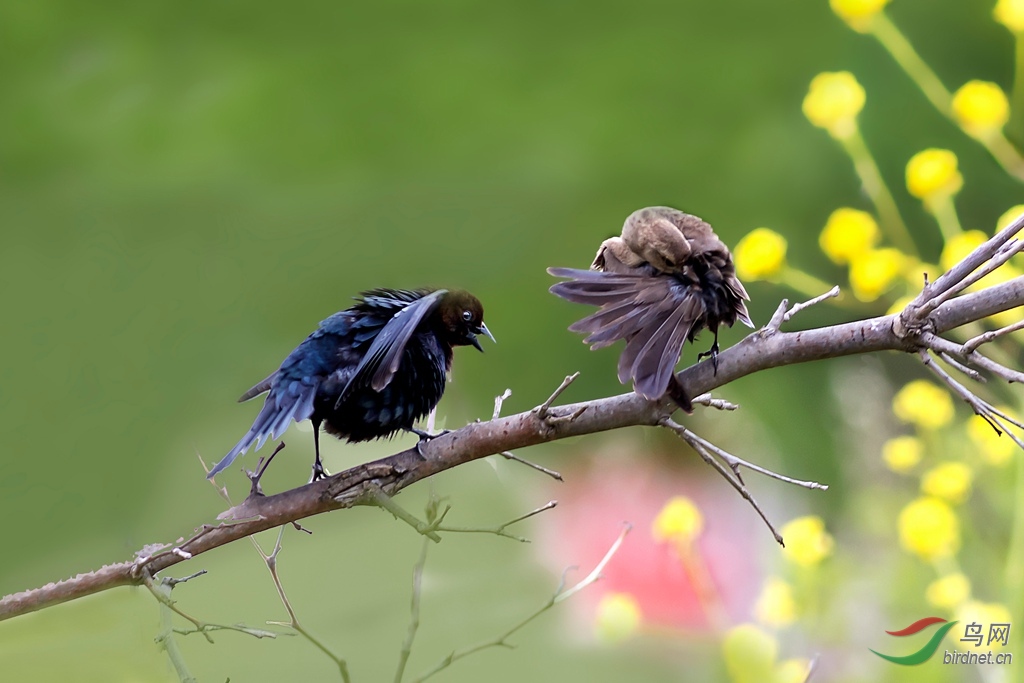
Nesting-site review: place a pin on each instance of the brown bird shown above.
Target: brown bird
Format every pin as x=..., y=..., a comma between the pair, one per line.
x=663, y=281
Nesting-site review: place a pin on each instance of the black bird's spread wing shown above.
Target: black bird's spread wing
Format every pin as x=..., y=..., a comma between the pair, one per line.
x=653, y=314
x=384, y=356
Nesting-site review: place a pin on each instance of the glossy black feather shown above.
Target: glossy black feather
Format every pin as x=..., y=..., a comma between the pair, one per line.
x=368, y=371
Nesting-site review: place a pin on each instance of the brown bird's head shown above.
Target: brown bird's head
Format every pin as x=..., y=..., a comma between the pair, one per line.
x=462, y=319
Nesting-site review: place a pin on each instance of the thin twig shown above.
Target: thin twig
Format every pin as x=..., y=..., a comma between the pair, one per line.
x=540, y=468
x=543, y=409
x=497, y=530
x=293, y=621
x=498, y=401
x=834, y=292
x=559, y=596
x=972, y=344
x=940, y=345
x=777, y=317
x=731, y=475
x=954, y=363
x=374, y=495
x=414, y=610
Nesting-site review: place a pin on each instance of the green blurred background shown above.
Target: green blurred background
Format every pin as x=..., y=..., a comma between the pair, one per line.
x=187, y=188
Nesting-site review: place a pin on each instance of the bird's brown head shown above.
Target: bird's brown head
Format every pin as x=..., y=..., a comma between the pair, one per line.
x=462, y=318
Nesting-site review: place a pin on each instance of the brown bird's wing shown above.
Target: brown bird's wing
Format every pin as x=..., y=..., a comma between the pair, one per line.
x=262, y=387
x=653, y=314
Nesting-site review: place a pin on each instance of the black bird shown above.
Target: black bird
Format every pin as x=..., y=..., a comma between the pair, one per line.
x=368, y=371
x=663, y=281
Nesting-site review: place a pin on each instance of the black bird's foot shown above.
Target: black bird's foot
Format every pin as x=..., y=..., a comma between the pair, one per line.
x=319, y=472
x=712, y=353
x=425, y=436
x=261, y=467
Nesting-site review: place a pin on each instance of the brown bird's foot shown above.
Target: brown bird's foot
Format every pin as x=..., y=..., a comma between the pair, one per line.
x=712, y=353
x=678, y=394
x=261, y=466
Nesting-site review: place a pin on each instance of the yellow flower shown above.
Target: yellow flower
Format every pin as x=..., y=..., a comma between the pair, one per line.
x=1010, y=13
x=776, y=606
x=749, y=654
x=902, y=453
x=807, y=542
x=618, y=617
x=929, y=528
x=679, y=521
x=833, y=102
x=858, y=13
x=922, y=403
x=986, y=614
x=995, y=449
x=950, y=481
x=959, y=246
x=792, y=671
x=949, y=591
x=848, y=233
x=932, y=175
x=981, y=108
x=873, y=272
x=1009, y=217
x=761, y=255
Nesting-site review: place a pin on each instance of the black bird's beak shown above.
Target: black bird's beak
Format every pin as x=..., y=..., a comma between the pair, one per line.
x=481, y=330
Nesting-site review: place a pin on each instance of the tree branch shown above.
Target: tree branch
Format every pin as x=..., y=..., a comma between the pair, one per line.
x=761, y=350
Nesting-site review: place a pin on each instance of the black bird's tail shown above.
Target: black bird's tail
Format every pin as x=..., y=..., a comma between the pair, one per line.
x=286, y=402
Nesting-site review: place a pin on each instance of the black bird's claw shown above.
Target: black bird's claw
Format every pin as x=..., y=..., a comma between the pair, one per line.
x=426, y=436
x=319, y=472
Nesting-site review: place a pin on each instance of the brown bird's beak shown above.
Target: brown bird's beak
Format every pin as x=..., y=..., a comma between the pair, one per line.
x=484, y=331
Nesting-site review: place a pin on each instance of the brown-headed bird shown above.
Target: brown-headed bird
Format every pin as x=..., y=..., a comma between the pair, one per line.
x=369, y=371
x=666, y=278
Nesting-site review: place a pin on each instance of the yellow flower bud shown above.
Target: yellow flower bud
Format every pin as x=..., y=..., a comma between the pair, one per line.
x=873, y=272
x=833, y=102
x=959, y=246
x=618, y=617
x=749, y=654
x=761, y=255
x=981, y=108
x=848, y=233
x=679, y=521
x=902, y=453
x=1009, y=217
x=922, y=403
x=807, y=542
x=776, y=605
x=949, y=591
x=929, y=528
x=1010, y=13
x=995, y=449
x=858, y=13
x=792, y=671
x=950, y=481
x=932, y=174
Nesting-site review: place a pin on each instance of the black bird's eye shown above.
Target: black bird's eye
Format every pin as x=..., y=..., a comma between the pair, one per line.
x=467, y=315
